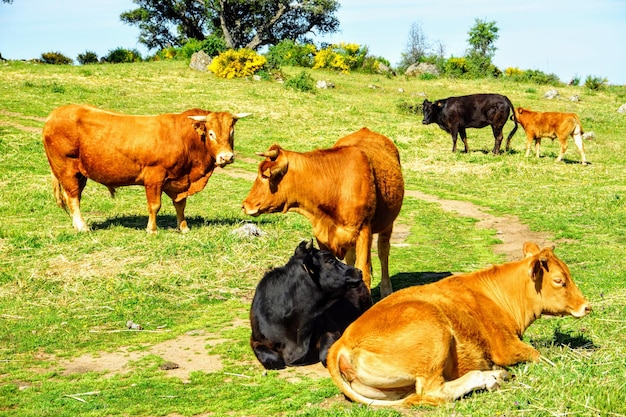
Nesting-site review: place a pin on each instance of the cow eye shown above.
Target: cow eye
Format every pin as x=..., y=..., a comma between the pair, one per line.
x=212, y=135
x=559, y=281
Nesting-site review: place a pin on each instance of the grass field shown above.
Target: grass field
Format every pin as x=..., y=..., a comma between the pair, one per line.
x=66, y=295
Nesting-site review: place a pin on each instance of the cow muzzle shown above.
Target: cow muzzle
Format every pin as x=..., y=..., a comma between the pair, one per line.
x=582, y=311
x=224, y=158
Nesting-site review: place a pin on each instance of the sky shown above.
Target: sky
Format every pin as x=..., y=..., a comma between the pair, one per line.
x=569, y=38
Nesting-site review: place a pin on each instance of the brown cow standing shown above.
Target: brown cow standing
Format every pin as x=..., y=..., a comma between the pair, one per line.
x=437, y=342
x=171, y=153
x=348, y=193
x=551, y=125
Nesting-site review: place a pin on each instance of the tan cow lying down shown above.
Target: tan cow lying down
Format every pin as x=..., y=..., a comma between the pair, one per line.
x=437, y=342
x=171, y=153
x=551, y=125
x=348, y=192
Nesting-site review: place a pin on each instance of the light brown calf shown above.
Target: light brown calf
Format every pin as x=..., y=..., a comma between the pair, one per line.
x=348, y=192
x=437, y=342
x=551, y=125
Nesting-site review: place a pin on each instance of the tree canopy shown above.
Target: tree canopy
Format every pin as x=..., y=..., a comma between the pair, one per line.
x=482, y=37
x=242, y=24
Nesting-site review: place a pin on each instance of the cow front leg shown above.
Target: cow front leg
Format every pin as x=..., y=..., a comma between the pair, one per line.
x=364, y=255
x=181, y=222
x=153, y=195
x=464, y=138
x=454, y=135
x=384, y=245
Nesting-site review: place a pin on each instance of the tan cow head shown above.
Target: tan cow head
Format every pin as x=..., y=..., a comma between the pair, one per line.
x=553, y=283
x=265, y=195
x=217, y=130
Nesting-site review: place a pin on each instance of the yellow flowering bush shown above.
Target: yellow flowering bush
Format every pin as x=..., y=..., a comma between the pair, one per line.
x=512, y=72
x=343, y=57
x=237, y=63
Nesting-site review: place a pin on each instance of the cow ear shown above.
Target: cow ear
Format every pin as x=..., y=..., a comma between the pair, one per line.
x=530, y=249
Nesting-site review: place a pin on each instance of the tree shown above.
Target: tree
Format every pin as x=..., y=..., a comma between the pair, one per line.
x=482, y=37
x=242, y=24
x=416, y=46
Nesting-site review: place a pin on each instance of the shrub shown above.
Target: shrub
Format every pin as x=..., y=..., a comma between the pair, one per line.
x=122, y=55
x=531, y=76
x=88, y=57
x=290, y=53
x=455, y=67
x=302, y=82
x=342, y=57
x=55, y=58
x=237, y=63
x=595, y=83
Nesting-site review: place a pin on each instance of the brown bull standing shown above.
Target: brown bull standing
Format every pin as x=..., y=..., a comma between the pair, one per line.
x=437, y=342
x=171, y=153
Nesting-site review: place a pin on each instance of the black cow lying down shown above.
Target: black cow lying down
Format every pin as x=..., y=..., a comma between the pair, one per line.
x=455, y=114
x=299, y=310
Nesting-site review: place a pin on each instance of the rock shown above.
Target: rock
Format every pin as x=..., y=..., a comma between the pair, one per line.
x=323, y=84
x=575, y=98
x=200, y=61
x=248, y=230
x=589, y=136
x=416, y=70
x=622, y=109
x=550, y=94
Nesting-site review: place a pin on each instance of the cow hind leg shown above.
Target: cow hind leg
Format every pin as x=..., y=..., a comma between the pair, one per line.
x=563, y=148
x=537, y=147
x=497, y=134
x=457, y=388
x=384, y=245
x=578, y=140
x=68, y=190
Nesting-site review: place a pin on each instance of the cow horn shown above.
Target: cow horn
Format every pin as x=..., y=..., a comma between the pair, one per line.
x=198, y=118
x=238, y=116
x=272, y=154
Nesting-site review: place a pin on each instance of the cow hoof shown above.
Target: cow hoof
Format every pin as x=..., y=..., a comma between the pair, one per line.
x=183, y=230
x=151, y=232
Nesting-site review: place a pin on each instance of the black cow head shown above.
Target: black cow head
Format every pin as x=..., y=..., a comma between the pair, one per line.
x=431, y=111
x=329, y=274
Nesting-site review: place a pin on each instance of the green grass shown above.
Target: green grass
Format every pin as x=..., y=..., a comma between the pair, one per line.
x=65, y=294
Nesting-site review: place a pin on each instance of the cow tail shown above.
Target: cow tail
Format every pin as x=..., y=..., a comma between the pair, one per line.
x=514, y=118
x=342, y=372
x=58, y=193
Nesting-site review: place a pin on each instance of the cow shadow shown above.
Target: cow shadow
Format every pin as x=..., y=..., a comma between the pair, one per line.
x=567, y=339
x=410, y=279
x=164, y=222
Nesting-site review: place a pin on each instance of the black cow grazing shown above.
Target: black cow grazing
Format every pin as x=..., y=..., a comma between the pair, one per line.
x=299, y=310
x=455, y=114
